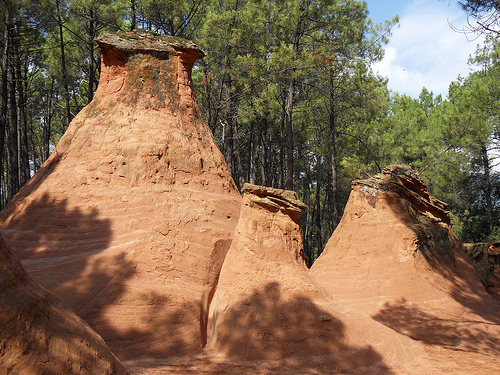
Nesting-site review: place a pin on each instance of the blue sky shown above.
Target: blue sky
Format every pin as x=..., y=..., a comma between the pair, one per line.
x=424, y=51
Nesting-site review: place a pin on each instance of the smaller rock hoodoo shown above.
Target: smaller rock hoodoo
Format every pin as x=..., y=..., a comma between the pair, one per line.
x=394, y=256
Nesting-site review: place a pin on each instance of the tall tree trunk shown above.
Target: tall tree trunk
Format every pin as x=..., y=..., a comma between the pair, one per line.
x=304, y=221
x=263, y=145
x=282, y=148
x=92, y=36
x=238, y=148
x=228, y=138
x=23, y=168
x=487, y=188
x=4, y=115
x=63, y=65
x=47, y=123
x=335, y=209
x=252, y=155
x=12, y=146
x=289, y=136
x=317, y=209
x=208, y=99
x=334, y=168
x=133, y=22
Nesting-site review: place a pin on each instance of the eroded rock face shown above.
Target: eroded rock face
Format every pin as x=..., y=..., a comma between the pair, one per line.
x=394, y=257
x=40, y=334
x=130, y=218
x=486, y=259
x=267, y=307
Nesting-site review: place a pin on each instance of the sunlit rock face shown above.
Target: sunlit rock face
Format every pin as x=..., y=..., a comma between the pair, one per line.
x=394, y=257
x=268, y=307
x=41, y=334
x=130, y=218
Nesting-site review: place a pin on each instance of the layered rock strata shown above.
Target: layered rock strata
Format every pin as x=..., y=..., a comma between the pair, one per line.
x=40, y=334
x=131, y=216
x=267, y=307
x=394, y=257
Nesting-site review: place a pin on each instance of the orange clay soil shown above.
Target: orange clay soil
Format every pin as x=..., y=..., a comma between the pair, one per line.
x=130, y=218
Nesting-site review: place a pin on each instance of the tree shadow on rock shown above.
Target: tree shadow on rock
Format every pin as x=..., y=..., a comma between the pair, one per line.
x=409, y=319
x=69, y=249
x=293, y=330
x=64, y=248
x=475, y=326
x=156, y=328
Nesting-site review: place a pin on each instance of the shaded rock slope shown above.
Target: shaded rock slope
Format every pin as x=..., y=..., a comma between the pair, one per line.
x=131, y=216
x=394, y=257
x=267, y=307
x=486, y=258
x=40, y=334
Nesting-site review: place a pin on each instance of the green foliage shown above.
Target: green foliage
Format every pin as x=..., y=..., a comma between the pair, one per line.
x=286, y=88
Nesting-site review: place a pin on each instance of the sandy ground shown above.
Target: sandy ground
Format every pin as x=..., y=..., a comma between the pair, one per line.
x=435, y=360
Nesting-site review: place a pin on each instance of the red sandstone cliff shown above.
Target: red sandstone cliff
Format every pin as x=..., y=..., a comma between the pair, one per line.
x=130, y=218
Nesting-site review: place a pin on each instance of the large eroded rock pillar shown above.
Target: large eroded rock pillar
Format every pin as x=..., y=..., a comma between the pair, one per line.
x=130, y=218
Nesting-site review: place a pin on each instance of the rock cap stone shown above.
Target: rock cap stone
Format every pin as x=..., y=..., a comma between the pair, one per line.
x=409, y=185
x=147, y=41
x=275, y=199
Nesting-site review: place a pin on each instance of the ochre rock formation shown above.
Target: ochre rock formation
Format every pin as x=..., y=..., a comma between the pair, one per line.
x=267, y=307
x=40, y=334
x=394, y=257
x=130, y=218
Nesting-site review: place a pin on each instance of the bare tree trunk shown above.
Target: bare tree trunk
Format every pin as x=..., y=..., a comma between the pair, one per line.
x=289, y=136
x=335, y=209
x=22, y=121
x=487, y=187
x=4, y=116
x=228, y=139
x=263, y=145
x=208, y=100
x=334, y=168
x=63, y=65
x=47, y=124
x=133, y=22
x=252, y=155
x=317, y=208
x=239, y=165
x=12, y=146
x=282, y=148
x=92, y=36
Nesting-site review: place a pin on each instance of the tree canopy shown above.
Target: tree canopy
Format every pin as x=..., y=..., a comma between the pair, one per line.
x=287, y=90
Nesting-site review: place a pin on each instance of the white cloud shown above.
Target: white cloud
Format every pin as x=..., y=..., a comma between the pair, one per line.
x=425, y=51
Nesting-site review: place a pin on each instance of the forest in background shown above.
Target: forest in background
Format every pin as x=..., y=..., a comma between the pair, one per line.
x=287, y=90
